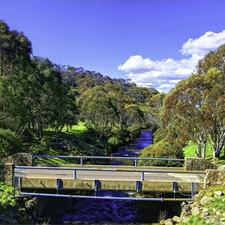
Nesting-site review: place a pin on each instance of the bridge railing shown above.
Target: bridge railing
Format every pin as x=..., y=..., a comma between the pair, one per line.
x=110, y=158
x=17, y=170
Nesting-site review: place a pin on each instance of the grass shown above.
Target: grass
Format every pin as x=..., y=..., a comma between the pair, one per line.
x=78, y=142
x=78, y=130
x=190, y=149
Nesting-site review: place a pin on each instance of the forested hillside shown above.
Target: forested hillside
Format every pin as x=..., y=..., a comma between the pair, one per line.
x=39, y=99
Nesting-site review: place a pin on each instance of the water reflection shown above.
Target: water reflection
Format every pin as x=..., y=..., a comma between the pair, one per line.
x=98, y=211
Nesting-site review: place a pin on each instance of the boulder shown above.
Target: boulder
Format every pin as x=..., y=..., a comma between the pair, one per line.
x=205, y=199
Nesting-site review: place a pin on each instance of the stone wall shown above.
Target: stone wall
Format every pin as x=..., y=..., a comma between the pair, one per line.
x=198, y=164
x=214, y=178
x=8, y=170
x=19, y=159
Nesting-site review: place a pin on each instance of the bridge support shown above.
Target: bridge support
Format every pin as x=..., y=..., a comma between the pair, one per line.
x=59, y=183
x=174, y=186
x=97, y=185
x=138, y=186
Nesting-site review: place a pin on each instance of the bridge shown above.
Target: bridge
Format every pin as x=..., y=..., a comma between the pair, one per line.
x=64, y=180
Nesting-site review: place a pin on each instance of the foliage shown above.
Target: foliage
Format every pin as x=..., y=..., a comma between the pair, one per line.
x=38, y=96
x=162, y=149
x=109, y=112
x=11, y=209
x=195, y=109
x=15, y=51
x=154, y=106
x=214, y=59
x=6, y=194
x=9, y=143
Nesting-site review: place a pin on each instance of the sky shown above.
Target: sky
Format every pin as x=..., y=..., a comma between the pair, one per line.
x=155, y=43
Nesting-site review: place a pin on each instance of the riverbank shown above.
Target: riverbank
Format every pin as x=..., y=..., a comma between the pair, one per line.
x=208, y=207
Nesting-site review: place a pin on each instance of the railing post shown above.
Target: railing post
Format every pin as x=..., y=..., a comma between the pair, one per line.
x=142, y=175
x=193, y=189
x=81, y=161
x=135, y=162
x=75, y=174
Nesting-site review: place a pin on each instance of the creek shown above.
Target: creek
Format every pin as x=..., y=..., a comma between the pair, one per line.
x=103, y=211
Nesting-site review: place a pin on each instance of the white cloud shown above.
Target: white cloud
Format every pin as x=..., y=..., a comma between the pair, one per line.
x=164, y=74
x=203, y=44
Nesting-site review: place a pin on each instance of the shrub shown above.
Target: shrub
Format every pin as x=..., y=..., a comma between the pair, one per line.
x=9, y=143
x=162, y=149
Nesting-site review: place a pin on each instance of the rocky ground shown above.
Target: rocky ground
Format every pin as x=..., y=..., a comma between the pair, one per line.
x=205, y=209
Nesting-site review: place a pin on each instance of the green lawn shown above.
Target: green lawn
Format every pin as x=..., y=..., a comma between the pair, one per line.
x=190, y=148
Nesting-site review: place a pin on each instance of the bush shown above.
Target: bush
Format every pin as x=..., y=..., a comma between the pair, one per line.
x=9, y=143
x=162, y=149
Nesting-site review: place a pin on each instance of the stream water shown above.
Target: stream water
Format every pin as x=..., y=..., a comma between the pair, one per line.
x=102, y=211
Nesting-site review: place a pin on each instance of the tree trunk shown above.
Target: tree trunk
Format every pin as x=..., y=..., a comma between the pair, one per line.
x=204, y=150
x=199, y=149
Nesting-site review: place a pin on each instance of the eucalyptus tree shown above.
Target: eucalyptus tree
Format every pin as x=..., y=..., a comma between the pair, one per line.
x=214, y=59
x=128, y=115
x=96, y=110
x=154, y=108
x=36, y=102
x=51, y=103
x=195, y=107
x=109, y=111
x=142, y=94
x=15, y=51
x=13, y=112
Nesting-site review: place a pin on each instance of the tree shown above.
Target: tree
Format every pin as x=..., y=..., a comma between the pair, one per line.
x=214, y=59
x=15, y=51
x=154, y=108
x=37, y=102
x=96, y=110
x=142, y=94
x=128, y=115
x=50, y=104
x=13, y=112
x=196, y=107
x=9, y=143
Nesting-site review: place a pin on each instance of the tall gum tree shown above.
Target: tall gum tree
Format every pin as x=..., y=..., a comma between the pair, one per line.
x=196, y=107
x=15, y=51
x=214, y=59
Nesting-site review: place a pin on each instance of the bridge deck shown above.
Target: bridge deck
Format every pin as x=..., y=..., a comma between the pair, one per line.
x=108, y=178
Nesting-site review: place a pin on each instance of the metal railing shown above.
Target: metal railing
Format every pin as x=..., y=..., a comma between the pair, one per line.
x=110, y=158
x=74, y=170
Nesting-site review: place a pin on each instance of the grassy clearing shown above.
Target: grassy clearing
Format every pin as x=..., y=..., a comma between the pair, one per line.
x=76, y=141
x=190, y=149
x=78, y=130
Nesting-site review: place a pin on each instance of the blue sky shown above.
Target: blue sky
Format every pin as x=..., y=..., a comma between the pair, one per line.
x=155, y=43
